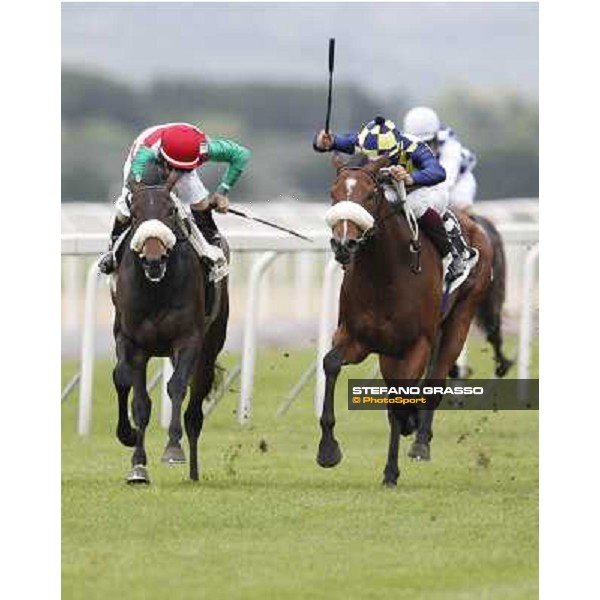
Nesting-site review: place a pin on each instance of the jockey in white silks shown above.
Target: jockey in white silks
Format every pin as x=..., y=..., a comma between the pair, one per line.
x=457, y=160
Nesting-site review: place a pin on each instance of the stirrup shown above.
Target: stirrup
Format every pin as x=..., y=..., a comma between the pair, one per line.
x=456, y=268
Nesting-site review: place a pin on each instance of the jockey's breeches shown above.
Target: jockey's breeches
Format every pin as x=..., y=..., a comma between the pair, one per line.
x=435, y=197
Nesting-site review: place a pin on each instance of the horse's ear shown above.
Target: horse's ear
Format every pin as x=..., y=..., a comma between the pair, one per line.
x=337, y=161
x=381, y=162
x=174, y=175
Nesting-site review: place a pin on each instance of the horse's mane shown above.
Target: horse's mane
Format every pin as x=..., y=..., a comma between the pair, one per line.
x=357, y=160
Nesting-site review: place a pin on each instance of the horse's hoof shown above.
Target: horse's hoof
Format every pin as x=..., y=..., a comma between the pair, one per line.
x=503, y=366
x=419, y=451
x=329, y=455
x=173, y=455
x=139, y=474
x=389, y=483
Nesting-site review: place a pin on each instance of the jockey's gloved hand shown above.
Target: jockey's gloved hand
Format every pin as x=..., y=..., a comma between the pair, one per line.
x=220, y=202
x=399, y=173
x=323, y=142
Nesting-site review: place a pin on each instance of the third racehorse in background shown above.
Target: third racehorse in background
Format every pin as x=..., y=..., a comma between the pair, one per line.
x=458, y=162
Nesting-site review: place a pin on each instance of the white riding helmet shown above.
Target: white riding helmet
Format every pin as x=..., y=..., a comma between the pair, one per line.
x=422, y=122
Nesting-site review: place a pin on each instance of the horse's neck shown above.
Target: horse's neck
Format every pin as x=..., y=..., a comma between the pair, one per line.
x=387, y=253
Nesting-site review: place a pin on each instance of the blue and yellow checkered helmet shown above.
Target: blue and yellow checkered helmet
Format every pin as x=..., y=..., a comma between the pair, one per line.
x=379, y=137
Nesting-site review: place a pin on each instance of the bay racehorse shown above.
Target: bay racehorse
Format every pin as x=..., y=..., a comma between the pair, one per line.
x=160, y=300
x=386, y=308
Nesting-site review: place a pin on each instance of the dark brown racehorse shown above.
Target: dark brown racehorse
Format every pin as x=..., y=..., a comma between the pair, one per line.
x=160, y=303
x=387, y=309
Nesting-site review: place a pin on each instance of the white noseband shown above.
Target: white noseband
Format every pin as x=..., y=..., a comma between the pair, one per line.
x=349, y=211
x=153, y=228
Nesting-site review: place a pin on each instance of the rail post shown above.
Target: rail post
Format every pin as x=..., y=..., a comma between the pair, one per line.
x=249, y=345
x=526, y=325
x=87, y=351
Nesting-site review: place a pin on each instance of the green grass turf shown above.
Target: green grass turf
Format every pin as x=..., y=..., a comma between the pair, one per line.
x=269, y=523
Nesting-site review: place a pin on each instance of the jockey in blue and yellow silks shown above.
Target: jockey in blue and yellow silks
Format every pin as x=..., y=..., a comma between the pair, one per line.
x=415, y=164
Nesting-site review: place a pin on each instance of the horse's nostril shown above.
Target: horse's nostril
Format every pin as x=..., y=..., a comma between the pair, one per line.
x=352, y=245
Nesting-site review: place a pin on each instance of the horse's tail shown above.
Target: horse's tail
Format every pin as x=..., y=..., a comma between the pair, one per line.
x=497, y=290
x=489, y=311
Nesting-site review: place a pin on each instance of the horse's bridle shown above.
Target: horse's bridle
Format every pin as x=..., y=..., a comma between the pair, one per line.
x=180, y=226
x=378, y=193
x=415, y=245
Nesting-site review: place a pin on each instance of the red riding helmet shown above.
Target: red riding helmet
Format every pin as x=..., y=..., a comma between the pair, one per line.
x=183, y=146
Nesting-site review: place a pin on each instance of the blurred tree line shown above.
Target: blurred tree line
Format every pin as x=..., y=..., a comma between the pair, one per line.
x=101, y=116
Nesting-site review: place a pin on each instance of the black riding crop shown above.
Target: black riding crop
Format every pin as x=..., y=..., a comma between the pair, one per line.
x=239, y=213
x=329, y=97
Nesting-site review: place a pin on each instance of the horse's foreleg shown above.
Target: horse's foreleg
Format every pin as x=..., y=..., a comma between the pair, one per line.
x=123, y=380
x=344, y=351
x=142, y=406
x=185, y=362
x=401, y=421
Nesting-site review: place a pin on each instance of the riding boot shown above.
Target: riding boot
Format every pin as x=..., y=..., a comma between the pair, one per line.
x=455, y=234
x=107, y=263
x=207, y=226
x=433, y=226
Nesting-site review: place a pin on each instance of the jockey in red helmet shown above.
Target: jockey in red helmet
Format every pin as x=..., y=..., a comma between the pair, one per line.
x=183, y=147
